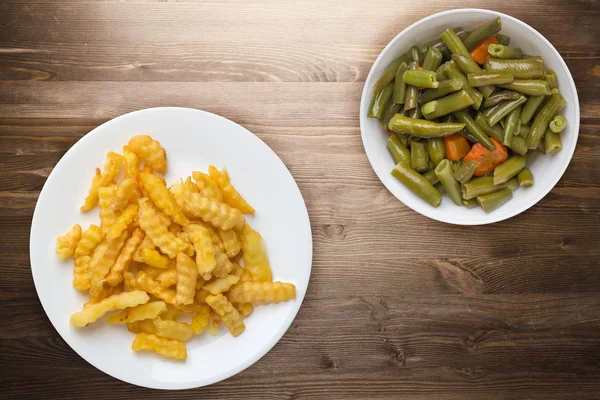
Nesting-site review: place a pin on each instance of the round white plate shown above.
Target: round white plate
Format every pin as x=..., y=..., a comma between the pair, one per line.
x=193, y=140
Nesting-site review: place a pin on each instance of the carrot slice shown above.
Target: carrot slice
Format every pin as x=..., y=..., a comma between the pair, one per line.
x=480, y=52
x=486, y=160
x=456, y=147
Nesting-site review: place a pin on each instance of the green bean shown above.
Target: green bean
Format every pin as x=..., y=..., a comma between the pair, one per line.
x=419, y=158
x=439, y=44
x=471, y=203
x=415, y=54
x=440, y=75
x=558, y=124
x=524, y=132
x=445, y=87
x=526, y=68
x=518, y=145
x=542, y=119
x=422, y=128
x=436, y=149
x=405, y=139
x=486, y=112
x=492, y=131
x=503, y=124
x=501, y=51
x=525, y=178
x=468, y=66
x=504, y=109
x=483, y=32
x=446, y=105
x=529, y=87
x=465, y=172
x=431, y=176
x=509, y=168
x=474, y=129
x=467, y=135
x=484, y=185
x=433, y=59
x=554, y=90
x=452, y=72
x=388, y=112
x=398, y=151
x=552, y=142
x=415, y=113
x=492, y=201
x=399, y=85
x=424, y=79
x=489, y=78
x=530, y=107
x=389, y=74
x=445, y=174
x=380, y=100
x=551, y=77
x=411, y=100
x=512, y=122
x=417, y=184
x=500, y=96
x=502, y=39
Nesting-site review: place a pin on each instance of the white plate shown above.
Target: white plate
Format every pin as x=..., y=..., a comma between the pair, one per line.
x=547, y=169
x=193, y=140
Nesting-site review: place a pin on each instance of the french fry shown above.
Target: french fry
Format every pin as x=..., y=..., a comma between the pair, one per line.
x=201, y=319
x=150, y=151
x=146, y=283
x=189, y=250
x=203, y=245
x=100, y=266
x=112, y=167
x=151, y=223
x=122, y=221
x=115, y=275
x=153, y=258
x=67, y=244
x=126, y=191
x=132, y=164
x=187, y=273
x=173, y=329
x=213, y=323
x=206, y=186
x=165, y=347
x=261, y=292
x=256, y=261
x=88, y=242
x=145, y=325
x=244, y=309
x=224, y=266
x=221, y=285
x=117, y=302
x=162, y=198
x=172, y=313
x=231, y=241
x=167, y=278
x=107, y=211
x=82, y=273
x=218, y=214
x=149, y=310
x=92, y=198
x=230, y=195
x=229, y=314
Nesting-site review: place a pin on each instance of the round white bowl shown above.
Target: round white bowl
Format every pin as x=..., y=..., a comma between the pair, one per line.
x=547, y=169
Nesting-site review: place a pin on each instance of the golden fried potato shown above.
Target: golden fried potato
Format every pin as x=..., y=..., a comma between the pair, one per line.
x=244, y=309
x=256, y=261
x=230, y=195
x=261, y=292
x=150, y=151
x=112, y=167
x=153, y=258
x=146, y=283
x=82, y=273
x=127, y=191
x=117, y=302
x=229, y=314
x=149, y=310
x=187, y=273
x=189, y=251
x=107, y=212
x=231, y=241
x=213, y=323
x=218, y=214
x=173, y=329
x=115, y=275
x=163, y=346
x=88, y=242
x=201, y=319
x=67, y=244
x=206, y=186
x=224, y=266
x=172, y=313
x=103, y=261
x=221, y=285
x=167, y=278
x=132, y=164
x=121, y=223
x=92, y=198
x=151, y=223
x=145, y=325
x=162, y=198
x=129, y=281
x=105, y=293
x=200, y=238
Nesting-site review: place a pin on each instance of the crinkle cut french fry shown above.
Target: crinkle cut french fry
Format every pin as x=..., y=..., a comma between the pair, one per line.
x=221, y=285
x=132, y=163
x=150, y=151
x=66, y=245
x=126, y=191
x=145, y=282
x=149, y=310
x=101, y=267
x=154, y=227
x=203, y=246
x=92, y=198
x=231, y=242
x=115, y=275
x=107, y=212
x=173, y=329
x=82, y=273
x=89, y=240
x=229, y=314
x=256, y=261
x=201, y=319
x=117, y=302
x=165, y=347
x=244, y=309
x=122, y=221
x=162, y=198
x=187, y=273
x=230, y=194
x=167, y=278
x=261, y=292
x=220, y=215
x=153, y=258
x=207, y=186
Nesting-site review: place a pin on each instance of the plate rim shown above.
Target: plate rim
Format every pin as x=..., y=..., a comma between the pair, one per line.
x=242, y=366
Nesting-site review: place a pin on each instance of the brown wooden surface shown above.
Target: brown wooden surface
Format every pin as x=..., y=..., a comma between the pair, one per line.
x=399, y=306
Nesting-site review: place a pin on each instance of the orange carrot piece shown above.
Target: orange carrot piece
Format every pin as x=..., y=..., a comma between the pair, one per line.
x=456, y=147
x=480, y=52
x=486, y=160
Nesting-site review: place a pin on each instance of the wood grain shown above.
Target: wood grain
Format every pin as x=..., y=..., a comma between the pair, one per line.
x=399, y=306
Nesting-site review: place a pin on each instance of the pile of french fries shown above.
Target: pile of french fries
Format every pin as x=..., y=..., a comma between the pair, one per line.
x=161, y=253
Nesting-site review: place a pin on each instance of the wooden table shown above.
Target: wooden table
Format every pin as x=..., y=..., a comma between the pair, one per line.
x=399, y=306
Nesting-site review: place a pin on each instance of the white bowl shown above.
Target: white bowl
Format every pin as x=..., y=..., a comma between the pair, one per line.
x=547, y=169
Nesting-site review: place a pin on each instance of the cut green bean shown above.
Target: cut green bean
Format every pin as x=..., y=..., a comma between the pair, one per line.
x=380, y=100
x=439, y=44
x=465, y=172
x=388, y=112
x=419, y=158
x=389, y=74
x=518, y=145
x=424, y=79
x=542, y=119
x=431, y=176
x=552, y=142
x=509, y=168
x=468, y=66
x=467, y=135
x=501, y=51
x=405, y=139
x=445, y=87
x=482, y=32
x=446, y=105
x=436, y=149
x=526, y=68
x=471, y=203
x=525, y=129
x=551, y=77
x=530, y=107
x=486, y=112
x=417, y=184
x=399, y=85
x=415, y=113
x=492, y=201
x=452, y=72
x=397, y=149
x=415, y=54
x=529, y=87
x=422, y=128
x=502, y=39
x=525, y=178
x=558, y=124
x=512, y=122
x=411, y=100
x=433, y=59
x=504, y=109
x=478, y=133
x=445, y=174
x=499, y=96
x=489, y=78
x=484, y=185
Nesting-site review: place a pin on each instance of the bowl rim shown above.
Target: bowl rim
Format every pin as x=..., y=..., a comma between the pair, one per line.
x=491, y=219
